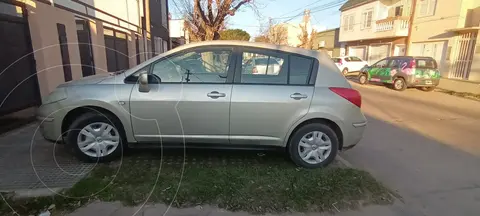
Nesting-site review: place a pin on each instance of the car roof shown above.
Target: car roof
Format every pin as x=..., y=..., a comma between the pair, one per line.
x=301, y=51
x=410, y=57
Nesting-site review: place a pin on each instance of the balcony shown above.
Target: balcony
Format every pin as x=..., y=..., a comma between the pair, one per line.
x=392, y=27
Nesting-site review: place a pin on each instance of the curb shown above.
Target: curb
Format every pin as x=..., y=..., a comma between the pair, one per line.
x=32, y=193
x=344, y=162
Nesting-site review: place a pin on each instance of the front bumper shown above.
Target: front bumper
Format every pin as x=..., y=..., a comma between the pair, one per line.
x=50, y=121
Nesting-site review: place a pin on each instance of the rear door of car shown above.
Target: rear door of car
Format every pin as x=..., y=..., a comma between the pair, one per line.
x=263, y=106
x=426, y=69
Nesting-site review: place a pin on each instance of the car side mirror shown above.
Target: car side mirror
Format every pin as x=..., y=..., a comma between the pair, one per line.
x=143, y=83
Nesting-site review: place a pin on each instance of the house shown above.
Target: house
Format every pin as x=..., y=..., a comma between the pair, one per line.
x=328, y=41
x=50, y=42
x=178, y=33
x=289, y=33
x=374, y=29
x=447, y=30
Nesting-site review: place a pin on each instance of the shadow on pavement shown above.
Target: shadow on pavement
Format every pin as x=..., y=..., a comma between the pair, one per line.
x=432, y=177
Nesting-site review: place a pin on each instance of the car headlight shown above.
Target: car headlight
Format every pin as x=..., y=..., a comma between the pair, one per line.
x=57, y=95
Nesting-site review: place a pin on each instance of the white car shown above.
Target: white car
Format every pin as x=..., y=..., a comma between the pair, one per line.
x=349, y=64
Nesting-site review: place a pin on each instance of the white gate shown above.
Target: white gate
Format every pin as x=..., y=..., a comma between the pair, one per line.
x=463, y=55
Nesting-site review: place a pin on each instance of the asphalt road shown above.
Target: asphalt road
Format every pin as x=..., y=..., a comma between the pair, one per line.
x=423, y=145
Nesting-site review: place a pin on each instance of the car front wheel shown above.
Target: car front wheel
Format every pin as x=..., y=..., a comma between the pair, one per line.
x=363, y=79
x=314, y=145
x=95, y=137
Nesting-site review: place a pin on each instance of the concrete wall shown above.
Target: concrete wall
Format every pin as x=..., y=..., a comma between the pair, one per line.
x=43, y=21
x=98, y=47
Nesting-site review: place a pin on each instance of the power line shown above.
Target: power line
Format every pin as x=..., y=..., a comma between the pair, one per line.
x=304, y=7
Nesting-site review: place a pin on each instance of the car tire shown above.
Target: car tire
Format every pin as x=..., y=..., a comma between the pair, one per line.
x=399, y=84
x=345, y=71
x=427, y=89
x=323, y=152
x=363, y=78
x=107, y=142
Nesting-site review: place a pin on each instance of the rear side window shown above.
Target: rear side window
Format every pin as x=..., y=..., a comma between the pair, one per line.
x=426, y=63
x=347, y=59
x=300, y=69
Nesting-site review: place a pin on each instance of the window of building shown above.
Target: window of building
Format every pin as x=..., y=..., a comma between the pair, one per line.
x=426, y=7
x=264, y=69
x=300, y=68
x=158, y=45
x=367, y=17
x=351, y=22
x=116, y=50
x=163, y=9
x=348, y=22
x=194, y=67
x=399, y=10
x=11, y=10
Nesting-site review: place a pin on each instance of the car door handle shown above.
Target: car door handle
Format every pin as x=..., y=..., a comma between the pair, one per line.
x=216, y=94
x=298, y=96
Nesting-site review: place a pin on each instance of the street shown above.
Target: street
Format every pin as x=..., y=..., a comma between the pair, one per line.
x=423, y=145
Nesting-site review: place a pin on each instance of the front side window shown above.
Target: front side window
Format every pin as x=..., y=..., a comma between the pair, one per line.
x=263, y=68
x=381, y=64
x=194, y=67
x=356, y=59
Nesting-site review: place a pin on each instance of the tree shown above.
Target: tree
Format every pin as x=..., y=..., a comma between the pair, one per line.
x=234, y=34
x=261, y=38
x=204, y=19
x=306, y=38
x=273, y=33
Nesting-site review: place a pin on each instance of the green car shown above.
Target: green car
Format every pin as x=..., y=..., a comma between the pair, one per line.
x=401, y=72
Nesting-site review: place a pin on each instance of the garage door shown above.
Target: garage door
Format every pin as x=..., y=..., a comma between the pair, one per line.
x=18, y=80
x=357, y=51
x=377, y=53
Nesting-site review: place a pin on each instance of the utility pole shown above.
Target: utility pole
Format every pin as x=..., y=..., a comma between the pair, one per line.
x=410, y=26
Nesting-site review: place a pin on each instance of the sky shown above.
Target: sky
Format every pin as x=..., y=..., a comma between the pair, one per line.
x=324, y=14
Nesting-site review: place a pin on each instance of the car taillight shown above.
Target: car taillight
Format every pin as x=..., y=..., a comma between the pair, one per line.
x=351, y=95
x=341, y=62
x=413, y=64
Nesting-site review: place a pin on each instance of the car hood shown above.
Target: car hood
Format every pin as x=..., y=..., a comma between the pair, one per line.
x=88, y=80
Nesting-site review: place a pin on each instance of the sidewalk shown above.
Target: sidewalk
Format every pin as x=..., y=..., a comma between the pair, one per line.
x=117, y=209
x=459, y=85
x=28, y=162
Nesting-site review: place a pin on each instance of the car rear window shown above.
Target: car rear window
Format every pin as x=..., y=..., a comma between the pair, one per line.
x=426, y=63
x=336, y=60
x=300, y=69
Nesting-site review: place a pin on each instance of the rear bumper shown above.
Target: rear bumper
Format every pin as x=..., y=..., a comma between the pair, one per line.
x=353, y=134
x=423, y=82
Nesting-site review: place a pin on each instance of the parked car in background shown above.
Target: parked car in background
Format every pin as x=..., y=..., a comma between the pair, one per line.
x=262, y=66
x=401, y=72
x=202, y=95
x=349, y=64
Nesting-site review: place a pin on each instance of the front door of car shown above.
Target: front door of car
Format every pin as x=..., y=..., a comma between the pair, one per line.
x=188, y=100
x=377, y=71
x=265, y=105
x=357, y=63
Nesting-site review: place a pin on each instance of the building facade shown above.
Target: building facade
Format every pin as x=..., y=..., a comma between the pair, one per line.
x=374, y=29
x=178, y=33
x=447, y=30
x=50, y=42
x=328, y=41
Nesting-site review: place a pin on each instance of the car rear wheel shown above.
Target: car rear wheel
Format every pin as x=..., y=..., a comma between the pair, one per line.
x=314, y=145
x=363, y=79
x=95, y=137
x=399, y=84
